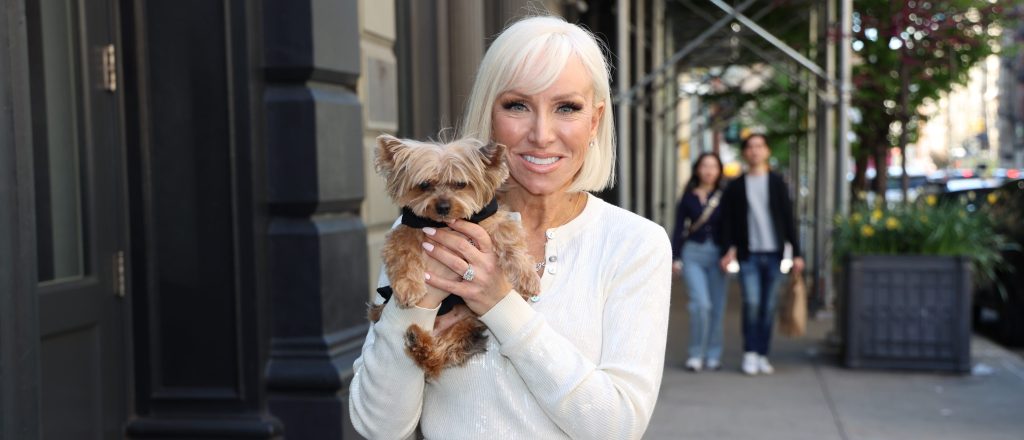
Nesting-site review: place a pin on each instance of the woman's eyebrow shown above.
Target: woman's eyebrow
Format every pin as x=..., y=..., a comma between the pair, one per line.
x=568, y=96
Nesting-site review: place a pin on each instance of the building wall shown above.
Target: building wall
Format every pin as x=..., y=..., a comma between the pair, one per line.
x=1011, y=97
x=378, y=91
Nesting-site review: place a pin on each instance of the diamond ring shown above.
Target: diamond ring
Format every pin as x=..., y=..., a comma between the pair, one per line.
x=468, y=276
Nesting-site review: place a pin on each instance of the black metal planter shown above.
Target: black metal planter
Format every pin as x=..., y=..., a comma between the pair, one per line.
x=907, y=312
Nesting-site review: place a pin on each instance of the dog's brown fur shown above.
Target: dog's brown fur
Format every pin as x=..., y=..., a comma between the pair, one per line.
x=463, y=175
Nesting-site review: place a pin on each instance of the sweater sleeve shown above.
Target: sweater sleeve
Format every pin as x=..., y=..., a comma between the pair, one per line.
x=678, y=232
x=790, y=218
x=727, y=234
x=615, y=397
x=386, y=393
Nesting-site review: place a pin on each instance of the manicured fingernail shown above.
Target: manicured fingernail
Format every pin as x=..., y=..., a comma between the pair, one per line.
x=429, y=247
x=426, y=275
x=429, y=231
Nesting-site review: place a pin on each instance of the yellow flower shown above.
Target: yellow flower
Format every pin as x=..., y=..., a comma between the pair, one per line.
x=931, y=200
x=891, y=223
x=856, y=217
x=992, y=198
x=876, y=215
x=971, y=195
x=861, y=195
x=867, y=231
x=924, y=219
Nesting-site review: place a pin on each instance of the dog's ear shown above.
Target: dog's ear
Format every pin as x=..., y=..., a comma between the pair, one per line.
x=494, y=153
x=384, y=154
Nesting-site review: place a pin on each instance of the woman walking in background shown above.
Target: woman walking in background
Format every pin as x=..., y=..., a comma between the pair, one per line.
x=696, y=253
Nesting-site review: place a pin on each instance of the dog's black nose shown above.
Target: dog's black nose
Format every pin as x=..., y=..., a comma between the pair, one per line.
x=443, y=206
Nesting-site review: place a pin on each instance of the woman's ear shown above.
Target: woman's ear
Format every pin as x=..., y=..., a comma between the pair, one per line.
x=595, y=118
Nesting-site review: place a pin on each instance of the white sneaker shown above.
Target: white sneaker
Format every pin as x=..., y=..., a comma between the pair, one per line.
x=712, y=365
x=750, y=361
x=694, y=364
x=764, y=366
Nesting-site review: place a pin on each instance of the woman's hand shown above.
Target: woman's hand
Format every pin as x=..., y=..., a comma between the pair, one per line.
x=727, y=259
x=467, y=245
x=434, y=295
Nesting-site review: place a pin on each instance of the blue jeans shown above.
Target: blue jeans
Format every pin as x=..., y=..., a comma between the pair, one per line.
x=759, y=277
x=705, y=283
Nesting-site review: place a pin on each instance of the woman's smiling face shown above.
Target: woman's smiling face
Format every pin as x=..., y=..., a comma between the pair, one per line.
x=548, y=133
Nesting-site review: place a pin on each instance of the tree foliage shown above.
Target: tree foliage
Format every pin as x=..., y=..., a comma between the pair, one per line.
x=907, y=52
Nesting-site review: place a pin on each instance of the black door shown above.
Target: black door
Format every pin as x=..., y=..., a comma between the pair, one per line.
x=79, y=218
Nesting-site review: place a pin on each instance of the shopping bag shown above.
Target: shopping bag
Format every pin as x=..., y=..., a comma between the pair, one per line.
x=793, y=307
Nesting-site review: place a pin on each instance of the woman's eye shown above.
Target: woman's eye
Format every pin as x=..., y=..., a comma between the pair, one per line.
x=460, y=185
x=514, y=106
x=424, y=186
x=569, y=108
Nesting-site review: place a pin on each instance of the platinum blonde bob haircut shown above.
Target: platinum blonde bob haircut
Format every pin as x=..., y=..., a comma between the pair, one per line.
x=528, y=56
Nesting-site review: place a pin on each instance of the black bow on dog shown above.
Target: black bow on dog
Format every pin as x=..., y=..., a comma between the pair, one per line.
x=414, y=221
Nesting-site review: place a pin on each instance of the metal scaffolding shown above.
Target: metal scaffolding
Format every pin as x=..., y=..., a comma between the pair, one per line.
x=715, y=34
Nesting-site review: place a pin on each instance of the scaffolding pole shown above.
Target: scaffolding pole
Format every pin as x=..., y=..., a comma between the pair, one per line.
x=842, y=197
x=623, y=182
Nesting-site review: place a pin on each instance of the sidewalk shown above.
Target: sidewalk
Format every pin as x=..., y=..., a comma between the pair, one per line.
x=811, y=396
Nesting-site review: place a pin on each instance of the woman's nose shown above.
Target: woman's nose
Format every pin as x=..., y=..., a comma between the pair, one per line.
x=543, y=132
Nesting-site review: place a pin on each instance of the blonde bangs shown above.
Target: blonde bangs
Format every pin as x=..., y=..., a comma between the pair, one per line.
x=538, y=66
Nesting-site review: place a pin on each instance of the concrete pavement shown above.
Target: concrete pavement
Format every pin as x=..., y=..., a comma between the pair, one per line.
x=811, y=396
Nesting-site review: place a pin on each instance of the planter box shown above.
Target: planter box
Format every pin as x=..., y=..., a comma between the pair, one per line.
x=908, y=312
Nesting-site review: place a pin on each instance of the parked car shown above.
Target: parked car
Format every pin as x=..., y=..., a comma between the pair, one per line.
x=999, y=308
x=917, y=181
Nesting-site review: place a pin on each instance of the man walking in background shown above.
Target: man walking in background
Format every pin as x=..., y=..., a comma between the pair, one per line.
x=757, y=216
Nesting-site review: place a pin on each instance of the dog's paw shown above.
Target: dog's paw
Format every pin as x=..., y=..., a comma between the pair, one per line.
x=408, y=292
x=419, y=345
x=529, y=284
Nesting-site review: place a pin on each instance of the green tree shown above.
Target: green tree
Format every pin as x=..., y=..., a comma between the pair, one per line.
x=907, y=52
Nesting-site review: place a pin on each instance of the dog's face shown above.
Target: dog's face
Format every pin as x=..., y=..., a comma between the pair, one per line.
x=441, y=181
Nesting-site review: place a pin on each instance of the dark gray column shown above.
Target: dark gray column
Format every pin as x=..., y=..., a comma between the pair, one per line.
x=195, y=151
x=316, y=260
x=19, y=325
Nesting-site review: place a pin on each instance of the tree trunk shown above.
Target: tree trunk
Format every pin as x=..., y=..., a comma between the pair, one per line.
x=881, y=172
x=904, y=121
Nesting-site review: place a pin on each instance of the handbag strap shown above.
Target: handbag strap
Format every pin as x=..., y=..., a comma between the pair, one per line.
x=708, y=210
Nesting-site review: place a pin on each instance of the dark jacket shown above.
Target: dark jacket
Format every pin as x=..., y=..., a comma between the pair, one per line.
x=689, y=207
x=734, y=216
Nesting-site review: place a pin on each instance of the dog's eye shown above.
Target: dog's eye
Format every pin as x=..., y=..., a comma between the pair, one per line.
x=424, y=186
x=460, y=185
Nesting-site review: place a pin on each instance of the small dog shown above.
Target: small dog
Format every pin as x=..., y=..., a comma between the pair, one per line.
x=435, y=182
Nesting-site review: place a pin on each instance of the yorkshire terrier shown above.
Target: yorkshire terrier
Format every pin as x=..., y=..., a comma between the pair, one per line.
x=435, y=183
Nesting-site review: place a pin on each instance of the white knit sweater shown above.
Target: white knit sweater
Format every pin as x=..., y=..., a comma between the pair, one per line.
x=584, y=362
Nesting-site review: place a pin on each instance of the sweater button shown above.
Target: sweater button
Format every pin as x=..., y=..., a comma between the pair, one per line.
x=552, y=259
x=549, y=234
x=551, y=270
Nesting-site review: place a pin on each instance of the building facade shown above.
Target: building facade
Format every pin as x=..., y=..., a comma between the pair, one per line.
x=191, y=223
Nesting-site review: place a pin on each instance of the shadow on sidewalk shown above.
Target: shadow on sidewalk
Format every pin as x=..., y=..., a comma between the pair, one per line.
x=811, y=397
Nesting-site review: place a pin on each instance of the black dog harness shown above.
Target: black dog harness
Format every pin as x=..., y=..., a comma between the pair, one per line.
x=414, y=221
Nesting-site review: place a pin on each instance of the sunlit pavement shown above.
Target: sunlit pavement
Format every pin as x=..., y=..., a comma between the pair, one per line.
x=811, y=396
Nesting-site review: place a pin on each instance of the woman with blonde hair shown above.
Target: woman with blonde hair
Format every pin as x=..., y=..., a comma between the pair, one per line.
x=584, y=358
